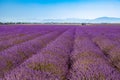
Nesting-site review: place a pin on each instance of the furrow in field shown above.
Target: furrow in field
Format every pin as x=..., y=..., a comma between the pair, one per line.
x=111, y=33
x=9, y=33
x=14, y=56
x=13, y=35
x=9, y=36
x=89, y=62
x=106, y=41
x=20, y=39
x=111, y=50
x=48, y=64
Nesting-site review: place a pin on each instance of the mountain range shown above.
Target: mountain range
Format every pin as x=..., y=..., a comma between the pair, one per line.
x=77, y=20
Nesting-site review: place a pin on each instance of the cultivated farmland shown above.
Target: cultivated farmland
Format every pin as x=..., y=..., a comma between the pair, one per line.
x=60, y=52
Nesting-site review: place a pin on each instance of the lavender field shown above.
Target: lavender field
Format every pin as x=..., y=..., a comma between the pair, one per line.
x=60, y=52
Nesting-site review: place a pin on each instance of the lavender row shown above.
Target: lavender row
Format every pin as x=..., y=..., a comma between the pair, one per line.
x=15, y=55
x=9, y=36
x=20, y=39
x=22, y=32
x=110, y=48
x=48, y=64
x=27, y=28
x=108, y=42
x=111, y=33
x=5, y=31
x=89, y=63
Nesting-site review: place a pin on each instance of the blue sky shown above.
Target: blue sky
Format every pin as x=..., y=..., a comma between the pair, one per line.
x=36, y=10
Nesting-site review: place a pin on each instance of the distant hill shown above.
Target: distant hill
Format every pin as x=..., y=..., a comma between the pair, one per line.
x=76, y=20
x=69, y=20
x=107, y=20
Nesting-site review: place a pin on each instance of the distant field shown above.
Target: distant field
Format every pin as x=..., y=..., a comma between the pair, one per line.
x=60, y=52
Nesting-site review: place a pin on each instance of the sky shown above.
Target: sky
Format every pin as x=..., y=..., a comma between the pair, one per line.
x=36, y=10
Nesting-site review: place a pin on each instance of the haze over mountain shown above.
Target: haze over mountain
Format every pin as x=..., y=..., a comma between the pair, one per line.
x=71, y=20
x=77, y=20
